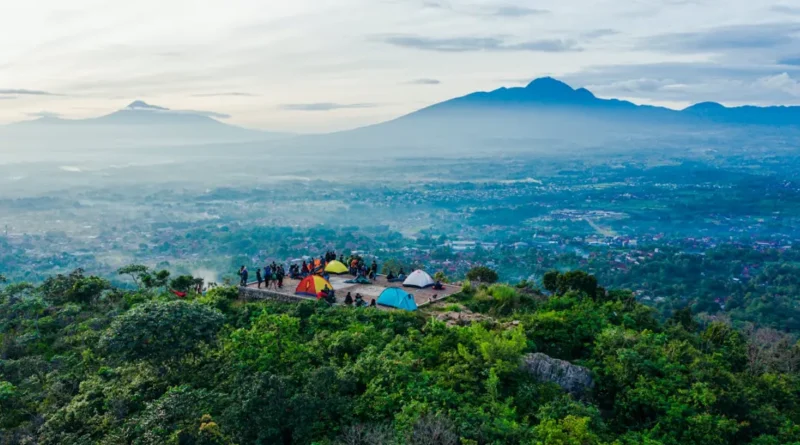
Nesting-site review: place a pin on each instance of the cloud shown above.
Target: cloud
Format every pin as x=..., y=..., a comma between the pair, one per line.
x=785, y=9
x=230, y=94
x=47, y=114
x=470, y=44
x=690, y=82
x=324, y=106
x=212, y=114
x=23, y=92
x=517, y=11
x=781, y=82
x=763, y=36
x=7, y=97
x=424, y=82
x=503, y=11
x=599, y=33
x=792, y=60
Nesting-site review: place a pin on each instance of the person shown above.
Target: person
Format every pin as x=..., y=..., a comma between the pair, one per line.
x=438, y=285
x=348, y=299
x=360, y=301
x=331, y=298
x=374, y=268
x=243, y=274
x=341, y=258
x=258, y=276
x=281, y=273
x=390, y=277
x=304, y=267
x=267, y=277
x=373, y=303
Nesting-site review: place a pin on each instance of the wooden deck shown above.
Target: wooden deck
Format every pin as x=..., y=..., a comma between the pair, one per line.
x=369, y=291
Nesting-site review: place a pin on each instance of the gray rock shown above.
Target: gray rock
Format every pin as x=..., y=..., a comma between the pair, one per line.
x=575, y=379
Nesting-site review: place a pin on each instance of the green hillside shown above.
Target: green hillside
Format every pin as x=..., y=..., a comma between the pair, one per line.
x=84, y=362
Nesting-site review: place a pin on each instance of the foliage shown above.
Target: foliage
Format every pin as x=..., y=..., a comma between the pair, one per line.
x=161, y=332
x=482, y=274
x=84, y=365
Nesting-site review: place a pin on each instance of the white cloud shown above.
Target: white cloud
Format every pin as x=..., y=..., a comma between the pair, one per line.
x=245, y=58
x=781, y=82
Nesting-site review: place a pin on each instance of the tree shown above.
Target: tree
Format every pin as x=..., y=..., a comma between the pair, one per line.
x=3, y=278
x=577, y=280
x=135, y=271
x=183, y=283
x=73, y=288
x=394, y=265
x=440, y=276
x=550, y=281
x=156, y=279
x=161, y=332
x=482, y=274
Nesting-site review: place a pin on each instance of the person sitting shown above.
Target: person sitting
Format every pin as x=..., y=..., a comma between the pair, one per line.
x=348, y=299
x=438, y=285
x=373, y=303
x=360, y=301
x=390, y=276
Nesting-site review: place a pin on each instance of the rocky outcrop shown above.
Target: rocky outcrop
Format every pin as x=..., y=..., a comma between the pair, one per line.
x=575, y=379
x=463, y=318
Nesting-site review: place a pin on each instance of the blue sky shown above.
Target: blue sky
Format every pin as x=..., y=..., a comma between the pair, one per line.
x=325, y=65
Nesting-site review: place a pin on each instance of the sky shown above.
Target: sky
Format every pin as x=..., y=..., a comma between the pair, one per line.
x=325, y=65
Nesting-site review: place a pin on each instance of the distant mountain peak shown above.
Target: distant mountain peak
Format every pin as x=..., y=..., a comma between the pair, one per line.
x=142, y=105
x=705, y=106
x=548, y=84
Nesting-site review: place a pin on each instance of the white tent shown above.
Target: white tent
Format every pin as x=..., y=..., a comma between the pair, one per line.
x=420, y=279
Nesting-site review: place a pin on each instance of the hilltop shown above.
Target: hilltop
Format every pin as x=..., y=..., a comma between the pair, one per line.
x=86, y=362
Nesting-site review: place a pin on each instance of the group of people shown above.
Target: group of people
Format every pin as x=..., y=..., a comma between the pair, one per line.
x=273, y=275
x=359, y=301
x=358, y=268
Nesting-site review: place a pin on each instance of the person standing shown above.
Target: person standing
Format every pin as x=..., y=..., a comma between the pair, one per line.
x=281, y=272
x=258, y=277
x=267, y=277
x=243, y=274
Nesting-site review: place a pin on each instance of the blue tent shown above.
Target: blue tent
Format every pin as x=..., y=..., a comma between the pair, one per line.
x=395, y=297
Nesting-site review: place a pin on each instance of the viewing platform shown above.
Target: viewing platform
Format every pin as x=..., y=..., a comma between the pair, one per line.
x=422, y=297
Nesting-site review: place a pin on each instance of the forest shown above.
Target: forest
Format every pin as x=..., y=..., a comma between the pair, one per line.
x=85, y=362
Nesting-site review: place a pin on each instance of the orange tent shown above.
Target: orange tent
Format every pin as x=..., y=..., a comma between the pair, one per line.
x=312, y=285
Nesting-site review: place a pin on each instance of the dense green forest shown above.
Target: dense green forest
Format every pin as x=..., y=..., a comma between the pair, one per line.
x=84, y=362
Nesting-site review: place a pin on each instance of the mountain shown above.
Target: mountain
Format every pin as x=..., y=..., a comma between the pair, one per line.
x=548, y=115
x=137, y=125
x=549, y=93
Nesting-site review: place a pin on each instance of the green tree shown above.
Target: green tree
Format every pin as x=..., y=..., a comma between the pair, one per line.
x=550, y=280
x=183, y=283
x=161, y=332
x=440, y=276
x=579, y=281
x=135, y=271
x=482, y=274
x=153, y=280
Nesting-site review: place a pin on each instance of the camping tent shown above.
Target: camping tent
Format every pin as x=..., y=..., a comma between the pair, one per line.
x=311, y=285
x=336, y=267
x=396, y=297
x=420, y=279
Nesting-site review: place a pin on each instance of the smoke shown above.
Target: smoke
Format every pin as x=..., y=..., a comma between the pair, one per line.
x=206, y=274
